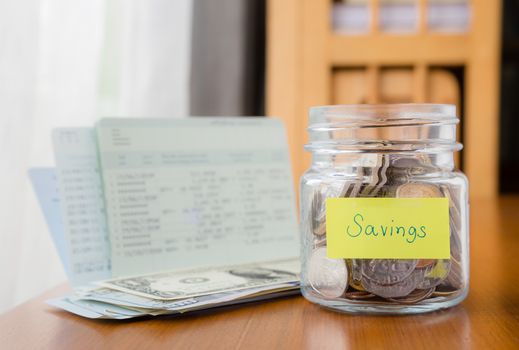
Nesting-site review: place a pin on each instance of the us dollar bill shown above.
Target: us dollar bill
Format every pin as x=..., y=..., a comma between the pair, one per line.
x=205, y=281
x=94, y=309
x=123, y=299
x=126, y=306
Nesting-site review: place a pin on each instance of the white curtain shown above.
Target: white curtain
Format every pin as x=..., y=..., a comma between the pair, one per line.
x=66, y=63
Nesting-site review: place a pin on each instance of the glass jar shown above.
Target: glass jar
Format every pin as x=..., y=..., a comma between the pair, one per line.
x=384, y=214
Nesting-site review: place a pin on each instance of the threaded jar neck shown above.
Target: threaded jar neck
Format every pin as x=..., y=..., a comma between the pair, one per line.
x=391, y=128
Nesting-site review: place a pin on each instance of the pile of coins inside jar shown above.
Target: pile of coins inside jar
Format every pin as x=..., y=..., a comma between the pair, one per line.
x=400, y=281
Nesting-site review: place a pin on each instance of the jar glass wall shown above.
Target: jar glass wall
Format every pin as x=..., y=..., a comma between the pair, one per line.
x=379, y=152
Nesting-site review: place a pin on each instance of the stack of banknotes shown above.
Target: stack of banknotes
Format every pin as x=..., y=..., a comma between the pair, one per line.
x=135, y=221
x=177, y=292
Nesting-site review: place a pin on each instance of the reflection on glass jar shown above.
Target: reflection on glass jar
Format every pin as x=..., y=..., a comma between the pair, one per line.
x=384, y=214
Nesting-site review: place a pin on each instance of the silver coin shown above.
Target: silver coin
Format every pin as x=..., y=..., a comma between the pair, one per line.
x=345, y=187
x=356, y=272
x=383, y=176
x=373, y=177
x=318, y=206
x=387, y=271
x=454, y=211
x=328, y=277
x=454, y=221
x=317, y=212
x=406, y=162
x=455, y=277
x=358, y=183
x=400, y=289
x=415, y=296
x=434, y=275
x=455, y=243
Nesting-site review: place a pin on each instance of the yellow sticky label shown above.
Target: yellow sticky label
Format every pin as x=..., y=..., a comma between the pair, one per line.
x=387, y=228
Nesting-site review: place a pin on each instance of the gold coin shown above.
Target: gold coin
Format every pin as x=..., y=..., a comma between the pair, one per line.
x=444, y=290
x=443, y=294
x=358, y=295
x=353, y=282
x=319, y=241
x=418, y=190
x=425, y=263
x=321, y=229
x=356, y=285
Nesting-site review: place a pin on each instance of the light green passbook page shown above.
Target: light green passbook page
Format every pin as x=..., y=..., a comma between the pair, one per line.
x=196, y=192
x=82, y=208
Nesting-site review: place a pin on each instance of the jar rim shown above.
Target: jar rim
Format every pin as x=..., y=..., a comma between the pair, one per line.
x=414, y=127
x=440, y=108
x=399, y=112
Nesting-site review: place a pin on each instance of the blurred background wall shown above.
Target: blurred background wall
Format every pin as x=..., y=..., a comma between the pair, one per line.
x=509, y=147
x=228, y=58
x=65, y=63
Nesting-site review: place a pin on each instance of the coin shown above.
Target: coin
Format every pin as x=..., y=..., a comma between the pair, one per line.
x=444, y=294
x=435, y=275
x=455, y=243
x=383, y=176
x=355, y=275
x=328, y=277
x=415, y=296
x=374, y=177
x=319, y=241
x=358, y=184
x=320, y=230
x=345, y=189
x=454, y=211
x=318, y=207
x=455, y=277
x=442, y=291
x=356, y=272
x=387, y=271
x=395, y=290
x=317, y=212
x=424, y=263
x=359, y=295
x=417, y=190
x=407, y=162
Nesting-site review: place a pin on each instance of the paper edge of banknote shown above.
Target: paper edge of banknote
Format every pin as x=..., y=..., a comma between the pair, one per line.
x=291, y=266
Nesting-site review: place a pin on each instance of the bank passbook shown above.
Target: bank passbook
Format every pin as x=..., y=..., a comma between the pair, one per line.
x=137, y=196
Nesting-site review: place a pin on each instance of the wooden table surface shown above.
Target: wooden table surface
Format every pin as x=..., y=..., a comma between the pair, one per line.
x=487, y=319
